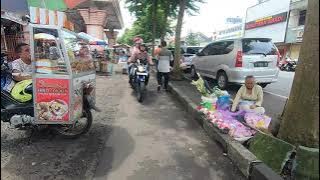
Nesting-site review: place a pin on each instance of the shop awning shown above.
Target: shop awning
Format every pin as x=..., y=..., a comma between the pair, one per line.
x=121, y=46
x=15, y=6
x=92, y=40
x=22, y=6
x=55, y=5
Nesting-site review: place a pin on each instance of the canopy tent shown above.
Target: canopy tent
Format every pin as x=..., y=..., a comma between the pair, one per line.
x=22, y=6
x=92, y=40
x=121, y=46
x=56, y=5
x=15, y=6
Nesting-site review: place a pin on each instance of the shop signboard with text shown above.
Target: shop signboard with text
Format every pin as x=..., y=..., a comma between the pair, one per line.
x=267, y=20
x=230, y=33
x=278, y=18
x=52, y=100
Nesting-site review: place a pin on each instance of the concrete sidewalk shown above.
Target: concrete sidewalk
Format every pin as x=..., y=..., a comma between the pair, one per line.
x=157, y=139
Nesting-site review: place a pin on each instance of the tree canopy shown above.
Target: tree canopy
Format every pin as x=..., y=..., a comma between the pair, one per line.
x=192, y=39
x=166, y=13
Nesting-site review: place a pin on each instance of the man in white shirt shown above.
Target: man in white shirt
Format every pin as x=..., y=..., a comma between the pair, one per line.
x=22, y=68
x=164, y=58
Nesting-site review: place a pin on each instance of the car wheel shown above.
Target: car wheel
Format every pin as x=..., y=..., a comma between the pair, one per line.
x=193, y=73
x=222, y=80
x=263, y=85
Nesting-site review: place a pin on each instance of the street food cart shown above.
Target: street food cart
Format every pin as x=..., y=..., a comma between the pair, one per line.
x=62, y=64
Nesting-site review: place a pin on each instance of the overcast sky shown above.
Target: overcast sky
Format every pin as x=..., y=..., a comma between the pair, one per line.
x=211, y=17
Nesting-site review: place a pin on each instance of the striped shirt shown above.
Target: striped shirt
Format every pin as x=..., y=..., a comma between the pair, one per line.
x=164, y=57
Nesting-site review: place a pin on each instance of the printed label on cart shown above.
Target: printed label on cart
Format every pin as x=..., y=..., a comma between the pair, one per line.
x=52, y=99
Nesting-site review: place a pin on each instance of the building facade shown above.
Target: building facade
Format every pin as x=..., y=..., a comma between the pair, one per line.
x=282, y=21
x=295, y=29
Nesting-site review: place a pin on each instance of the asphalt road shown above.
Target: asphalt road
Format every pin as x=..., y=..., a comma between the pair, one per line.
x=283, y=86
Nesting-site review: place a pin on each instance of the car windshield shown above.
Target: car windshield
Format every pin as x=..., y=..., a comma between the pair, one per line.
x=258, y=46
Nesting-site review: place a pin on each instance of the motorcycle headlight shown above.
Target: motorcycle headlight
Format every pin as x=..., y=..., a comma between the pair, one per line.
x=141, y=69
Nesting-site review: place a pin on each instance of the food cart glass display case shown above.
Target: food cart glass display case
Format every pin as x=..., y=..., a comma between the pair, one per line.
x=62, y=64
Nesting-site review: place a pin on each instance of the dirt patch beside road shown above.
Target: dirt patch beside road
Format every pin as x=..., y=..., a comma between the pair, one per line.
x=52, y=157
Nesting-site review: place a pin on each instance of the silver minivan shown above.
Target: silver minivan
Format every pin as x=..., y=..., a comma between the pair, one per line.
x=230, y=61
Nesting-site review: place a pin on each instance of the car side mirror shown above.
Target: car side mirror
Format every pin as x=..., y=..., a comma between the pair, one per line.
x=199, y=54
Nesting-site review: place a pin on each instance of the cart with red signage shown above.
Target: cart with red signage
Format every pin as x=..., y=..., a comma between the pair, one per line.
x=63, y=78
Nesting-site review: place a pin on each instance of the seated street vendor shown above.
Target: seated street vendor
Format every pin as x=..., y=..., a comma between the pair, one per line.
x=249, y=97
x=21, y=68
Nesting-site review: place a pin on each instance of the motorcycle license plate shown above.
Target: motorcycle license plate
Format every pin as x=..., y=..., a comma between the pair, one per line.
x=142, y=78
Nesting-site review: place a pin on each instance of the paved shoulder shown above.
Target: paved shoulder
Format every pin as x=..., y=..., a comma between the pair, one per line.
x=158, y=140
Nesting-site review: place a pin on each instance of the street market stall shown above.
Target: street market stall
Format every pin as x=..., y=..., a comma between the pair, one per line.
x=122, y=56
x=215, y=105
x=12, y=33
x=98, y=48
x=62, y=63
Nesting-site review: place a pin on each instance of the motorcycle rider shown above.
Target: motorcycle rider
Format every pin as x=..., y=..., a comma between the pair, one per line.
x=138, y=52
x=21, y=74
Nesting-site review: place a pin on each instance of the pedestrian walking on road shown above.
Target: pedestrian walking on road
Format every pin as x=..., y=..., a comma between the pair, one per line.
x=164, y=57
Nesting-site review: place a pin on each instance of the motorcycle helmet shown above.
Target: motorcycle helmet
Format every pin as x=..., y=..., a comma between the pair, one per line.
x=18, y=92
x=138, y=40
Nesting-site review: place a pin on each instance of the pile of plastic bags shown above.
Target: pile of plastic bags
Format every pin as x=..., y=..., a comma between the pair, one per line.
x=240, y=125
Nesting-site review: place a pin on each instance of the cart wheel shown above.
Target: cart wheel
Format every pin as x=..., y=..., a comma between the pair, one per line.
x=80, y=127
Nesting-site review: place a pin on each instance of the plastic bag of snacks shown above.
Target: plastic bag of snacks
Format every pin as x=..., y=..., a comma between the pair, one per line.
x=200, y=86
x=223, y=102
x=257, y=121
x=216, y=92
x=240, y=131
x=209, y=99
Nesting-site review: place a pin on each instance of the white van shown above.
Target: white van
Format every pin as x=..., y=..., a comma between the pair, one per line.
x=230, y=61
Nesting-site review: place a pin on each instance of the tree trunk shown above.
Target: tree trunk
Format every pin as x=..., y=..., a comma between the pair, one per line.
x=154, y=24
x=177, y=74
x=300, y=121
x=166, y=16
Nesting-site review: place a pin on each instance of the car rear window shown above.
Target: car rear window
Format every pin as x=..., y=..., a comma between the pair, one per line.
x=193, y=50
x=258, y=46
x=172, y=51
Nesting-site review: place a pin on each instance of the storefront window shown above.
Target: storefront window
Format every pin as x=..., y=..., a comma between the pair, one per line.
x=302, y=17
x=78, y=51
x=47, y=55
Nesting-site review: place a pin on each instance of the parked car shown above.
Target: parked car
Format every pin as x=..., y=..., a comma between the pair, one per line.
x=172, y=51
x=190, y=53
x=230, y=61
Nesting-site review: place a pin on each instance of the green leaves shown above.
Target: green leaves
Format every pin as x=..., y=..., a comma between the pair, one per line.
x=166, y=14
x=192, y=39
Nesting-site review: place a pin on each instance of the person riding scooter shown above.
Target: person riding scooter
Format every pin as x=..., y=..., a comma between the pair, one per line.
x=138, y=52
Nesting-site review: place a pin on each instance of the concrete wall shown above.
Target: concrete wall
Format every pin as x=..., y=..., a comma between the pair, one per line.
x=294, y=51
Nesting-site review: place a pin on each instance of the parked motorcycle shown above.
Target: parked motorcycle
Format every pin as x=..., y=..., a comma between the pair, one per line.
x=20, y=115
x=140, y=78
x=288, y=65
